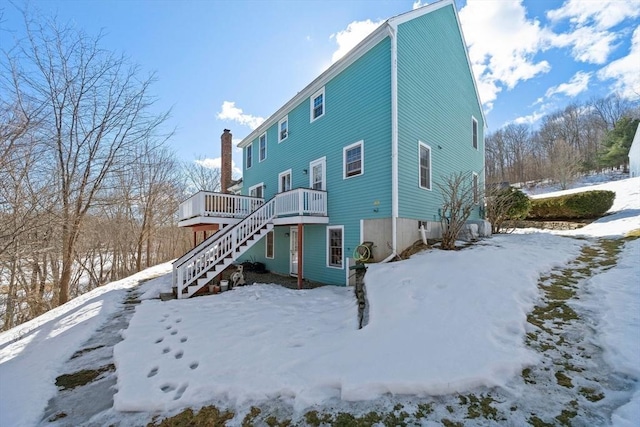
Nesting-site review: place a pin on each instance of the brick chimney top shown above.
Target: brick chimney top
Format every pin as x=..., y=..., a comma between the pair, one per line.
x=225, y=163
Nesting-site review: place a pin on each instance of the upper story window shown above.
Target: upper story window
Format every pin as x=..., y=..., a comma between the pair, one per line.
x=249, y=155
x=424, y=156
x=353, y=157
x=474, y=129
x=263, y=146
x=317, y=104
x=283, y=129
x=317, y=177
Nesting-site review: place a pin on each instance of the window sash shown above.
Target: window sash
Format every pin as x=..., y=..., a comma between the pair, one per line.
x=335, y=247
x=476, y=195
x=269, y=252
x=283, y=129
x=256, y=191
x=425, y=167
x=285, y=182
x=353, y=161
x=249, y=156
x=263, y=147
x=474, y=127
x=318, y=106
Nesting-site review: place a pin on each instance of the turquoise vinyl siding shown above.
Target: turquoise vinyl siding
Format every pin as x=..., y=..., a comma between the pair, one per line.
x=357, y=108
x=436, y=100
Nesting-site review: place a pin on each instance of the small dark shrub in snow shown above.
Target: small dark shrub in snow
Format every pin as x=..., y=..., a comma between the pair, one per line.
x=586, y=205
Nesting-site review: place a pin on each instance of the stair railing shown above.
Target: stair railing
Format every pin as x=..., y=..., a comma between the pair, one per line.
x=197, y=262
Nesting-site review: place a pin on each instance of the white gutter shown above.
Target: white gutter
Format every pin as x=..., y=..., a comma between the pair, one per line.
x=394, y=139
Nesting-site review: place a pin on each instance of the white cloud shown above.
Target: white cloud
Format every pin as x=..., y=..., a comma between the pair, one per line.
x=419, y=3
x=587, y=44
x=530, y=119
x=354, y=33
x=215, y=164
x=502, y=44
x=578, y=84
x=603, y=14
x=591, y=35
x=233, y=113
x=625, y=71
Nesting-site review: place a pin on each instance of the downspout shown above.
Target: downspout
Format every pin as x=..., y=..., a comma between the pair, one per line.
x=394, y=143
x=423, y=233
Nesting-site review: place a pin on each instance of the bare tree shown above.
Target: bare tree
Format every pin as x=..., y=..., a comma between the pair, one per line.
x=95, y=110
x=459, y=197
x=564, y=163
x=200, y=176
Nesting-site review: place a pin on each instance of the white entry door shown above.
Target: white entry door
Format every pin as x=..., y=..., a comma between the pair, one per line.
x=293, y=244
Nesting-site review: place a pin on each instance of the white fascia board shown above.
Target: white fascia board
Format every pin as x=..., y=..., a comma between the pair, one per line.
x=354, y=54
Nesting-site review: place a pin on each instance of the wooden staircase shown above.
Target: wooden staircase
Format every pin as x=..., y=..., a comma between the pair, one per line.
x=202, y=264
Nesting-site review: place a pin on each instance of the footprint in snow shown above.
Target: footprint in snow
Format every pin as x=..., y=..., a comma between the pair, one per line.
x=179, y=354
x=167, y=388
x=180, y=392
x=159, y=340
x=194, y=365
x=153, y=372
x=183, y=339
x=174, y=332
x=178, y=320
x=168, y=327
x=166, y=350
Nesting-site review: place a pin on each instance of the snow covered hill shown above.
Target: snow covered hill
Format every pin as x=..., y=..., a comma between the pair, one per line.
x=441, y=323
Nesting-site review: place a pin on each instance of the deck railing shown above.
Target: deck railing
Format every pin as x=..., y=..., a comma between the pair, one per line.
x=300, y=201
x=206, y=203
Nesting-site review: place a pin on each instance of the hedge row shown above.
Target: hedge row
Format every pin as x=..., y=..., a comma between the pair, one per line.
x=586, y=205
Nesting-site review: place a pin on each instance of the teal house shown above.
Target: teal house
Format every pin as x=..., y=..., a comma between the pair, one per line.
x=354, y=157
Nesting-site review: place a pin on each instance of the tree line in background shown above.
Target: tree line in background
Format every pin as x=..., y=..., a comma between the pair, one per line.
x=89, y=189
x=581, y=138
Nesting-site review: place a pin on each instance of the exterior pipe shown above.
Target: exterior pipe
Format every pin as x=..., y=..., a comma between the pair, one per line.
x=423, y=233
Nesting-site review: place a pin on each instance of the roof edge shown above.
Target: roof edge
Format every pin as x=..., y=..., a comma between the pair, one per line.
x=336, y=68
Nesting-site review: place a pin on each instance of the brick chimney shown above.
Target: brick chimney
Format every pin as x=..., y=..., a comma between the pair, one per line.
x=225, y=164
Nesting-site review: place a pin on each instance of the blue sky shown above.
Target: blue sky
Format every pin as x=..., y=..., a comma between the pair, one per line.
x=229, y=64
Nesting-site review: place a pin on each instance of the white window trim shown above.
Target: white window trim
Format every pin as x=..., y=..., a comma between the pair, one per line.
x=344, y=159
x=282, y=120
x=321, y=161
x=246, y=160
x=324, y=105
x=420, y=145
x=266, y=245
x=256, y=186
x=328, y=247
x=475, y=187
x=260, y=149
x=475, y=143
x=280, y=175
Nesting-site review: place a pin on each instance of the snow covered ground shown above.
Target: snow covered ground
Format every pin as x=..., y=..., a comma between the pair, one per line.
x=440, y=323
